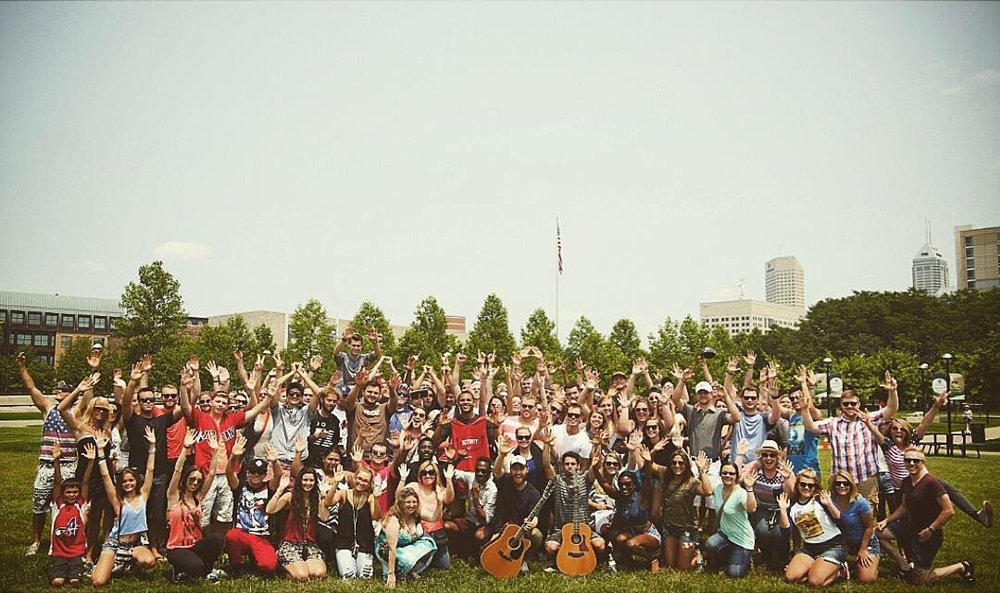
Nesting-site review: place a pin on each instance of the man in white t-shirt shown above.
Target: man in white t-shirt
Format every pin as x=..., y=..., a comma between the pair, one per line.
x=570, y=435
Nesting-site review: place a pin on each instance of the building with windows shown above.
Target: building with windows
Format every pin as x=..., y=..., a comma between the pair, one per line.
x=930, y=270
x=744, y=315
x=49, y=322
x=977, y=257
x=784, y=282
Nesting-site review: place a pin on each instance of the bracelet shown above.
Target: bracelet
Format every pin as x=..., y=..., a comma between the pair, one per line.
x=153, y=450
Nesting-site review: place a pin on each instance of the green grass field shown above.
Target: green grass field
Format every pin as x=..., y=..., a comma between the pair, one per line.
x=964, y=539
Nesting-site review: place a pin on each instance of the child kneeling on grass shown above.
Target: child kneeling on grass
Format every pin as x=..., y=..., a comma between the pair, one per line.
x=69, y=520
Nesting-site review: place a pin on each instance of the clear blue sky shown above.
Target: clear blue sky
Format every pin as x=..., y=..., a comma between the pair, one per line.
x=386, y=151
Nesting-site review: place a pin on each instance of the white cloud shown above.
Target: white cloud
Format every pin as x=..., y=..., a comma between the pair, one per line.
x=988, y=76
x=182, y=250
x=955, y=90
x=89, y=266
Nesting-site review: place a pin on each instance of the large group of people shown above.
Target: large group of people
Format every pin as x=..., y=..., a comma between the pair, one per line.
x=381, y=473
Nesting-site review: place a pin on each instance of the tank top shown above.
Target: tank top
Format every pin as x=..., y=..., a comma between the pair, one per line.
x=131, y=520
x=293, y=530
x=356, y=526
x=96, y=483
x=185, y=525
x=55, y=429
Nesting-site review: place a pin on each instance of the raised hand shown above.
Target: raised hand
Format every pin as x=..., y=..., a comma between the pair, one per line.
x=259, y=365
x=89, y=451
x=315, y=362
x=411, y=361
x=283, y=483
x=733, y=366
x=750, y=358
x=190, y=437
x=56, y=451
x=223, y=374
x=213, y=442
x=278, y=363
x=270, y=453
x=634, y=440
x=300, y=444
x=193, y=363
x=749, y=477
x=297, y=368
x=337, y=377
x=404, y=472
x=213, y=369
x=890, y=382
x=373, y=334
x=238, y=355
x=702, y=462
x=783, y=501
x=547, y=436
x=88, y=383
x=449, y=471
x=150, y=437
x=94, y=360
x=824, y=497
x=357, y=454
x=743, y=447
x=239, y=445
x=395, y=381
x=785, y=469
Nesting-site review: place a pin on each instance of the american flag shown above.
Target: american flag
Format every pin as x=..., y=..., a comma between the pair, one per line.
x=558, y=247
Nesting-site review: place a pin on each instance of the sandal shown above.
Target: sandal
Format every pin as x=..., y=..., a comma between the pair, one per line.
x=968, y=572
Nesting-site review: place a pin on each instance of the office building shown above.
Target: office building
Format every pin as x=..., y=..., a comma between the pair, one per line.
x=930, y=270
x=744, y=315
x=977, y=264
x=784, y=282
x=49, y=322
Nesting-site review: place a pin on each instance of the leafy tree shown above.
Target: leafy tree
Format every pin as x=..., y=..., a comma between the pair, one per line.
x=309, y=334
x=665, y=347
x=154, y=312
x=263, y=339
x=587, y=343
x=491, y=333
x=694, y=336
x=427, y=336
x=626, y=339
x=42, y=372
x=369, y=316
x=539, y=331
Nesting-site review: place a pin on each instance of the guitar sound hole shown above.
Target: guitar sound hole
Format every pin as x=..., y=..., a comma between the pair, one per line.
x=576, y=539
x=514, y=544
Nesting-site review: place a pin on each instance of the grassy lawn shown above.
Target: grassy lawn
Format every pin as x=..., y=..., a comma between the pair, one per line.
x=20, y=415
x=964, y=540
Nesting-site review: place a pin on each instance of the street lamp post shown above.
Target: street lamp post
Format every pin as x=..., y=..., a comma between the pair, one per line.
x=923, y=378
x=946, y=357
x=829, y=393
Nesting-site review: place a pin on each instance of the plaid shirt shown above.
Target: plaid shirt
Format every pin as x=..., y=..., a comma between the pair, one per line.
x=853, y=445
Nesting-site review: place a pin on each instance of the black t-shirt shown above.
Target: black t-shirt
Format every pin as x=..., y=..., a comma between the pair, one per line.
x=138, y=446
x=318, y=448
x=513, y=505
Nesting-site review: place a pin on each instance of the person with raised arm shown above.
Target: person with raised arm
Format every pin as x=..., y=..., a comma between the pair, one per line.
x=223, y=424
x=69, y=517
x=127, y=545
x=55, y=431
x=675, y=505
x=402, y=547
x=354, y=540
x=816, y=517
x=190, y=551
x=730, y=548
x=250, y=536
x=299, y=554
x=353, y=361
x=371, y=418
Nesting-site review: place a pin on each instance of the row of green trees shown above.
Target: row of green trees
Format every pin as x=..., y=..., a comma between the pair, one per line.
x=864, y=334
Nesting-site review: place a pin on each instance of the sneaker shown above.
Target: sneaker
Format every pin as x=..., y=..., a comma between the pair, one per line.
x=177, y=576
x=612, y=566
x=524, y=567
x=845, y=571
x=550, y=569
x=968, y=572
x=986, y=514
x=88, y=568
x=32, y=549
x=215, y=576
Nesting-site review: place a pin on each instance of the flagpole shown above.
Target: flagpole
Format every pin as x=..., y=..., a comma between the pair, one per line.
x=558, y=273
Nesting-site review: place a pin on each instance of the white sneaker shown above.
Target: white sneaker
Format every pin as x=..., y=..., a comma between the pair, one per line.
x=524, y=567
x=32, y=549
x=215, y=576
x=551, y=569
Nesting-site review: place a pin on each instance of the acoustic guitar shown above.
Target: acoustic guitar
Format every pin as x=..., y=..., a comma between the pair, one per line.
x=576, y=556
x=504, y=556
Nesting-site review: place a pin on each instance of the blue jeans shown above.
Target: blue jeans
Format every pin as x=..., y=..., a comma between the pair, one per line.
x=772, y=540
x=723, y=554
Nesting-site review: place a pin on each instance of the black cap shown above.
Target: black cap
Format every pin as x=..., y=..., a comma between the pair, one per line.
x=257, y=466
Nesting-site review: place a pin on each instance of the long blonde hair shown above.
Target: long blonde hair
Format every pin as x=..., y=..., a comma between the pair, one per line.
x=396, y=510
x=97, y=402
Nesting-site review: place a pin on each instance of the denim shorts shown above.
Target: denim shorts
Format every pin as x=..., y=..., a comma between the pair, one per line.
x=832, y=550
x=684, y=535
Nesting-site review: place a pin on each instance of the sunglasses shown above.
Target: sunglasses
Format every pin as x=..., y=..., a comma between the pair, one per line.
x=556, y=410
x=572, y=415
x=910, y=461
x=841, y=484
x=146, y=400
x=768, y=455
x=195, y=480
x=678, y=462
x=294, y=394
x=653, y=427
x=205, y=403
x=378, y=453
x=637, y=410
x=527, y=406
x=750, y=398
x=524, y=437
x=849, y=404
x=807, y=486
x=105, y=410
x=428, y=472
x=611, y=463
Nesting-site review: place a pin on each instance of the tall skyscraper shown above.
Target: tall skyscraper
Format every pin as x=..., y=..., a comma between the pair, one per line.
x=977, y=257
x=784, y=282
x=930, y=270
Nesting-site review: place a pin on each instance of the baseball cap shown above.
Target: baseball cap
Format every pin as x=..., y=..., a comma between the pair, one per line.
x=64, y=387
x=703, y=386
x=257, y=466
x=344, y=388
x=618, y=373
x=518, y=460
